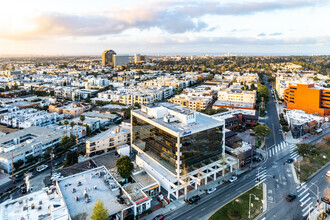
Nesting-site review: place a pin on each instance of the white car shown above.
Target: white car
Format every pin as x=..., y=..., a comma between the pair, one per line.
x=42, y=167
x=328, y=173
x=211, y=190
x=233, y=179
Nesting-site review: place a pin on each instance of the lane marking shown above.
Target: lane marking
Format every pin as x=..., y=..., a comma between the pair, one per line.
x=302, y=204
x=300, y=194
x=307, y=194
x=306, y=208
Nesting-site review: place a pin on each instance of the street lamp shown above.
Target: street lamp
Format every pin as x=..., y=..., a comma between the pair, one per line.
x=256, y=198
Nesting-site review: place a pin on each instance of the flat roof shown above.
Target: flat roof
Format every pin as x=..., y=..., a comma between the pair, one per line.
x=202, y=122
x=144, y=179
x=96, y=183
x=234, y=104
x=48, y=204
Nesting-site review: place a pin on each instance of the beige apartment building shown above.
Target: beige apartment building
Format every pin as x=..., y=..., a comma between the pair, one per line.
x=194, y=103
x=237, y=95
x=109, y=140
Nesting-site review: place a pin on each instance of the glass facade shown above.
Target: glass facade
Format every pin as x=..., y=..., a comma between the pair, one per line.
x=201, y=148
x=197, y=150
x=155, y=142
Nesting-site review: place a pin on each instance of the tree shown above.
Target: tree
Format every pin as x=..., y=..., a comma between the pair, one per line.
x=307, y=150
x=262, y=131
x=66, y=125
x=82, y=118
x=72, y=124
x=124, y=167
x=18, y=164
x=71, y=158
x=99, y=211
x=88, y=99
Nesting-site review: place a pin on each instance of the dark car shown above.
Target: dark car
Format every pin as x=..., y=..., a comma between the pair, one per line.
x=290, y=160
x=194, y=199
x=290, y=197
x=23, y=190
x=159, y=217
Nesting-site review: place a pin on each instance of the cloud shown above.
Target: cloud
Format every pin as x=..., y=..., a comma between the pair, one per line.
x=275, y=34
x=170, y=16
x=262, y=35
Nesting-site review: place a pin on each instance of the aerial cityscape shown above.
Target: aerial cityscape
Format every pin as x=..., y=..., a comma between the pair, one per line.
x=151, y=110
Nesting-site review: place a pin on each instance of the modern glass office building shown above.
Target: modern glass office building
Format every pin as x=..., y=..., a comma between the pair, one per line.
x=198, y=143
x=180, y=147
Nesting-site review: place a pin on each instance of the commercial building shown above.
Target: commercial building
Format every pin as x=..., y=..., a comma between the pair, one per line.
x=301, y=123
x=107, y=57
x=108, y=140
x=309, y=98
x=45, y=204
x=180, y=147
x=120, y=60
x=238, y=118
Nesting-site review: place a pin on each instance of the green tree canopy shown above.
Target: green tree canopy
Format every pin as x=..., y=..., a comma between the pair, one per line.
x=124, y=166
x=99, y=211
x=262, y=131
x=82, y=118
x=307, y=150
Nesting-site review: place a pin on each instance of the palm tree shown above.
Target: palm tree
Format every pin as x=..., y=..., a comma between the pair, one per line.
x=72, y=124
x=82, y=118
x=66, y=125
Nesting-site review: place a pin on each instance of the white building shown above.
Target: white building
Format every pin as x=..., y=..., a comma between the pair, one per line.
x=109, y=140
x=31, y=141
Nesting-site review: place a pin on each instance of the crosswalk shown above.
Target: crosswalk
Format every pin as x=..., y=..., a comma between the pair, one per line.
x=261, y=175
x=305, y=197
x=293, y=154
x=272, y=151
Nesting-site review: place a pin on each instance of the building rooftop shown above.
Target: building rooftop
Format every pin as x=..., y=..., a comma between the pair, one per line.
x=93, y=184
x=178, y=119
x=144, y=179
x=115, y=130
x=249, y=105
x=43, y=205
x=30, y=136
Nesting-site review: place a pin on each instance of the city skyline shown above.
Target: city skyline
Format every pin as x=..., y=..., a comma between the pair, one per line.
x=165, y=27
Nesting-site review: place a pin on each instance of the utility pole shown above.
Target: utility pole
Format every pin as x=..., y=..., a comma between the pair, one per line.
x=12, y=169
x=51, y=164
x=274, y=135
x=77, y=142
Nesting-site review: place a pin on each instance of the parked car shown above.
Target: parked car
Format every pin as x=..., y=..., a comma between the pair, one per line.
x=211, y=190
x=290, y=160
x=42, y=168
x=290, y=197
x=328, y=173
x=159, y=217
x=194, y=199
x=233, y=179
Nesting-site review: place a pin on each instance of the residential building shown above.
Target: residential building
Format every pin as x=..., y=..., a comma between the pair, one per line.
x=309, y=98
x=107, y=59
x=108, y=140
x=180, y=147
x=32, y=141
x=235, y=98
x=238, y=118
x=195, y=103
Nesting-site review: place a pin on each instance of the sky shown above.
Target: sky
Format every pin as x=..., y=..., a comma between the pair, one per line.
x=165, y=27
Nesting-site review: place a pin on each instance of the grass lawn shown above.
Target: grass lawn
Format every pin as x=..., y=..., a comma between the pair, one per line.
x=239, y=207
x=308, y=166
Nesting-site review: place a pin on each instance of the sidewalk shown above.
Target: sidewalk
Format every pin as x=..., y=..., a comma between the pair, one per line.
x=179, y=203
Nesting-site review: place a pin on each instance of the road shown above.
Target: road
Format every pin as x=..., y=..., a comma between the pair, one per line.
x=277, y=188
x=209, y=203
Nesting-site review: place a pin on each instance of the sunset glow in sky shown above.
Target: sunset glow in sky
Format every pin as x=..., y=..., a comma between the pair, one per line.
x=84, y=27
